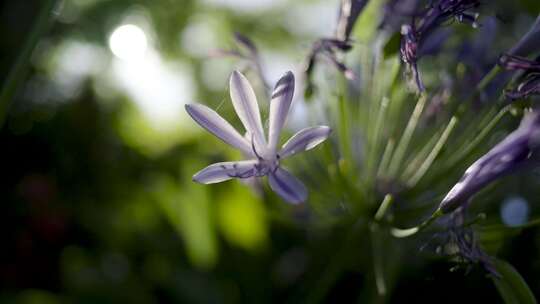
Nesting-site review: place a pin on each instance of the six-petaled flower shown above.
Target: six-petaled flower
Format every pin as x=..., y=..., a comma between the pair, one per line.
x=265, y=157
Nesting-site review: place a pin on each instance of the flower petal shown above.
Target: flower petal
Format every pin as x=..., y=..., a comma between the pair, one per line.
x=220, y=172
x=287, y=186
x=279, y=108
x=247, y=109
x=215, y=124
x=304, y=140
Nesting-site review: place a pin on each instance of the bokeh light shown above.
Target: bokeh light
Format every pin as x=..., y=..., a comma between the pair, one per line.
x=514, y=211
x=128, y=42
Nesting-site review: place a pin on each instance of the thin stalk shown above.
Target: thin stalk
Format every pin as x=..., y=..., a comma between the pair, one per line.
x=375, y=140
x=19, y=68
x=488, y=78
x=343, y=124
x=403, y=144
x=387, y=154
x=383, y=208
x=431, y=157
x=378, y=261
x=417, y=160
x=477, y=139
x=403, y=233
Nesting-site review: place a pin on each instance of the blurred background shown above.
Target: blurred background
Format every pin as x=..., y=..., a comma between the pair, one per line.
x=97, y=155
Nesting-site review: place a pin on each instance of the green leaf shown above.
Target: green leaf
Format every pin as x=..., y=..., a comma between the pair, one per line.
x=511, y=285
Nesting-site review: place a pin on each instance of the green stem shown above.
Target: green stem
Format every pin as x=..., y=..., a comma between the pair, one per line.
x=477, y=140
x=488, y=78
x=407, y=135
x=403, y=233
x=431, y=157
x=383, y=208
x=387, y=154
x=378, y=259
x=375, y=138
x=19, y=68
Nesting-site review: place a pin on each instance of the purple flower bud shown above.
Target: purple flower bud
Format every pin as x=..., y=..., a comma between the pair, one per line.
x=530, y=81
x=409, y=50
x=512, y=62
x=529, y=86
x=509, y=155
x=530, y=43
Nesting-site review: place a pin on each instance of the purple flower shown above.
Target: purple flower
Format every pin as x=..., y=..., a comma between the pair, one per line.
x=264, y=156
x=510, y=154
x=530, y=80
x=427, y=21
x=329, y=48
x=409, y=50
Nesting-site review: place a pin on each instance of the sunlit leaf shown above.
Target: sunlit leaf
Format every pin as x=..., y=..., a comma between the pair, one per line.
x=242, y=218
x=188, y=210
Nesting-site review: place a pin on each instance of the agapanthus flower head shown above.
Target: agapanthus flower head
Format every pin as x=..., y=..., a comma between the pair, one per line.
x=510, y=154
x=264, y=155
x=530, y=80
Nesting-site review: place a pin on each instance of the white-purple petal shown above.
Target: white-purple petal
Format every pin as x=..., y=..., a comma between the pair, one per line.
x=215, y=124
x=220, y=172
x=246, y=107
x=279, y=108
x=304, y=140
x=287, y=186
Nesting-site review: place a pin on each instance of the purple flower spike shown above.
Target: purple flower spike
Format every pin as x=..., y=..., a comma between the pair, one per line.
x=510, y=154
x=265, y=157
